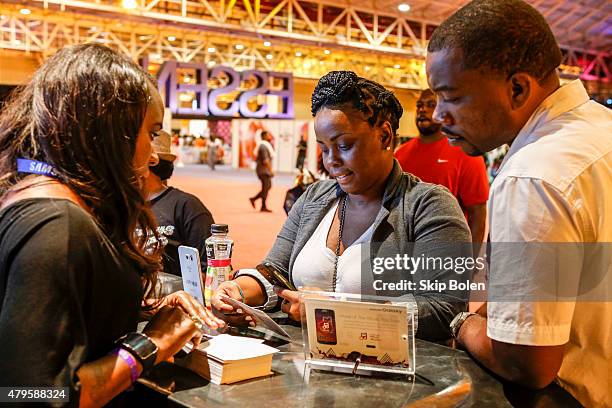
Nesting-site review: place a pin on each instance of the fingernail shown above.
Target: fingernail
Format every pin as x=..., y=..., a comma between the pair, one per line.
x=238, y=310
x=249, y=318
x=252, y=324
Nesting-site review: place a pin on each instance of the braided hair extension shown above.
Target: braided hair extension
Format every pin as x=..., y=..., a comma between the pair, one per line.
x=338, y=88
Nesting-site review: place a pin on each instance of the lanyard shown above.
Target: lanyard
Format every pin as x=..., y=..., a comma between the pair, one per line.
x=35, y=167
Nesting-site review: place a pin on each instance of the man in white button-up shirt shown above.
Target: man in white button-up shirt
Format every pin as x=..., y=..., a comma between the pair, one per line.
x=493, y=67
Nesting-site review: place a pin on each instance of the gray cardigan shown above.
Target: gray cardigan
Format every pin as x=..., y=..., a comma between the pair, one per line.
x=415, y=218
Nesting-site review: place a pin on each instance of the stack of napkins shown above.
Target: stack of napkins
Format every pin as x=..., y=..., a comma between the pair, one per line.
x=226, y=359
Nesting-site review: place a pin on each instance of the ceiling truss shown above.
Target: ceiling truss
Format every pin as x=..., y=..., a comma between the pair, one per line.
x=46, y=34
x=370, y=37
x=300, y=21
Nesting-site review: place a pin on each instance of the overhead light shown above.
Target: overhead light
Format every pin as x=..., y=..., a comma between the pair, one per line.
x=144, y=37
x=171, y=38
x=212, y=49
x=298, y=54
x=212, y=63
x=397, y=66
x=16, y=42
x=404, y=7
x=327, y=52
x=93, y=29
x=155, y=56
x=269, y=56
x=239, y=46
x=367, y=68
x=25, y=11
x=129, y=4
x=186, y=79
x=267, y=43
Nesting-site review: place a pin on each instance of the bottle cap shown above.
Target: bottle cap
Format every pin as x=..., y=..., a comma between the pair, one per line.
x=219, y=229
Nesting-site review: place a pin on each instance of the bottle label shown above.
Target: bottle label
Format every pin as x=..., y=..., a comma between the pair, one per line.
x=219, y=262
x=215, y=275
x=210, y=251
x=218, y=250
x=218, y=254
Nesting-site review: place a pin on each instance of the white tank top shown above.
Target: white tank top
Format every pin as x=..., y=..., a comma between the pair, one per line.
x=314, y=265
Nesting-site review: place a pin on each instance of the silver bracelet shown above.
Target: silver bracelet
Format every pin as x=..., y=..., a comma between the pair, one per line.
x=272, y=297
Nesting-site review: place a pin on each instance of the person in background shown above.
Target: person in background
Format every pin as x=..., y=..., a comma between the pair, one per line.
x=175, y=138
x=369, y=203
x=302, y=148
x=493, y=161
x=493, y=65
x=213, y=144
x=75, y=144
x=264, y=155
x=181, y=217
x=433, y=160
x=200, y=142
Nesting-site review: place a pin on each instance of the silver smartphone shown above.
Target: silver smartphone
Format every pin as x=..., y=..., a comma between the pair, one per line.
x=191, y=271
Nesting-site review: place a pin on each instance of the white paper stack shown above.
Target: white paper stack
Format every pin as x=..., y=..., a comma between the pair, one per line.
x=227, y=359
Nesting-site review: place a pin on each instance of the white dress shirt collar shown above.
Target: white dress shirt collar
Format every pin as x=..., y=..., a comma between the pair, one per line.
x=564, y=99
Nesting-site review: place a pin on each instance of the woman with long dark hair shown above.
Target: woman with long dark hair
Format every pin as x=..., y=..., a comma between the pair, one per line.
x=75, y=145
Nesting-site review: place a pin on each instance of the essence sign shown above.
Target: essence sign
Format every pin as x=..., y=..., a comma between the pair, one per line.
x=206, y=99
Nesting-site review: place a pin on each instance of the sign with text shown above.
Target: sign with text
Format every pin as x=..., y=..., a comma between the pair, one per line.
x=238, y=94
x=357, y=334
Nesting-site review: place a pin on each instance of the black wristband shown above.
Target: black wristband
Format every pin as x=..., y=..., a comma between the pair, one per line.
x=141, y=347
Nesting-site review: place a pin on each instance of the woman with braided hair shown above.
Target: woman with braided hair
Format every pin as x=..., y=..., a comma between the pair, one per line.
x=368, y=205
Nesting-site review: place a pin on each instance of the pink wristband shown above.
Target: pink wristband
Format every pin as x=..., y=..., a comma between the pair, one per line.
x=129, y=360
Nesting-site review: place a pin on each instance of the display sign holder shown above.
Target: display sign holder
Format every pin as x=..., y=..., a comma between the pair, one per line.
x=357, y=334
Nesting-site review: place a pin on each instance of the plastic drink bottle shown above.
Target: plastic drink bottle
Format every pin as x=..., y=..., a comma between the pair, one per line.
x=219, y=257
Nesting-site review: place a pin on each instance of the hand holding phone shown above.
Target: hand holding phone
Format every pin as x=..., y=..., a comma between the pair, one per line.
x=275, y=276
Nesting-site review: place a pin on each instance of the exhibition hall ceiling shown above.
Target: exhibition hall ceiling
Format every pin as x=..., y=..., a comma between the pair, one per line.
x=580, y=24
x=385, y=39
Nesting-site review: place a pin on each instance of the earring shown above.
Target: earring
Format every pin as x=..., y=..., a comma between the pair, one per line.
x=388, y=148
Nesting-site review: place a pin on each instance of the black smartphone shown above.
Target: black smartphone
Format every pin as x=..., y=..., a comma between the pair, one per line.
x=274, y=276
x=269, y=340
x=325, y=320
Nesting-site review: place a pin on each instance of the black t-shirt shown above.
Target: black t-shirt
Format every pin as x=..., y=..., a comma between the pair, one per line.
x=66, y=293
x=182, y=220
